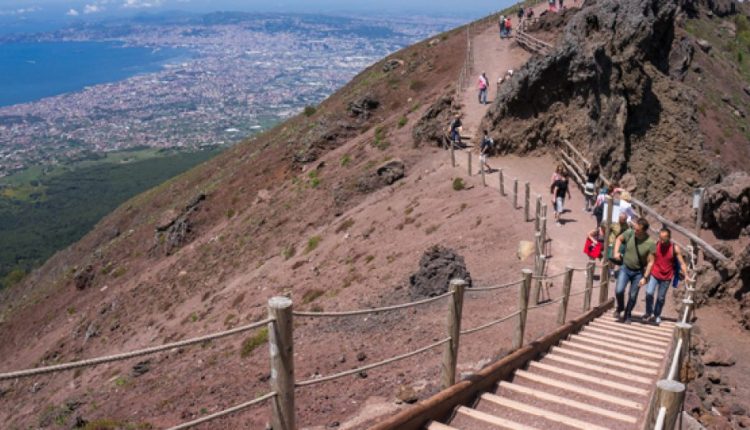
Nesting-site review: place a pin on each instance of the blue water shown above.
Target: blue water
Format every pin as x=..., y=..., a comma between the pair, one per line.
x=31, y=71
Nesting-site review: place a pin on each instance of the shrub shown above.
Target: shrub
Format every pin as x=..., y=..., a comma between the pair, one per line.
x=253, y=342
x=230, y=213
x=289, y=251
x=458, y=184
x=312, y=243
x=119, y=272
x=309, y=111
x=345, y=160
x=344, y=226
x=314, y=180
x=402, y=121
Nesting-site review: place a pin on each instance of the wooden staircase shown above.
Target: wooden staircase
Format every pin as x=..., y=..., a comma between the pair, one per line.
x=600, y=378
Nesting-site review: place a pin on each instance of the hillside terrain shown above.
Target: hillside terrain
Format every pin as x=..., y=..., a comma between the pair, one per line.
x=336, y=206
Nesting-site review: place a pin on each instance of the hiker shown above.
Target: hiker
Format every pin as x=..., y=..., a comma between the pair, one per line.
x=520, y=14
x=559, y=190
x=455, y=131
x=484, y=151
x=594, y=243
x=482, y=84
x=625, y=205
x=589, y=189
x=668, y=261
x=530, y=14
x=557, y=174
x=598, y=210
x=561, y=5
x=508, y=26
x=551, y=5
x=501, y=23
x=637, y=258
x=615, y=230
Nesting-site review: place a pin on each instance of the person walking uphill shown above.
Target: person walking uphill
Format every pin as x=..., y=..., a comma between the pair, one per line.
x=559, y=190
x=667, y=259
x=482, y=84
x=637, y=262
x=455, y=131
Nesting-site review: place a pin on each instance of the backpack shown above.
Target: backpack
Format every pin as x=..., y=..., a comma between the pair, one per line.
x=599, y=211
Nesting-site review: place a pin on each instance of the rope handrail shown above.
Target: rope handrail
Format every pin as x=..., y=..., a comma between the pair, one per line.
x=556, y=275
x=579, y=293
x=659, y=425
x=371, y=366
x=496, y=287
x=490, y=324
x=223, y=413
x=131, y=354
x=370, y=311
x=675, y=361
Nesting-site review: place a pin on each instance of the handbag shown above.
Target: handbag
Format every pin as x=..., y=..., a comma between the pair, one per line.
x=592, y=249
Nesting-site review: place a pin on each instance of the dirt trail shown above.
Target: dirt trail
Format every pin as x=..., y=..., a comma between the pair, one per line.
x=495, y=56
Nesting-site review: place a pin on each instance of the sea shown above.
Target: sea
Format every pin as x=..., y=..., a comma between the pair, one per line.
x=30, y=71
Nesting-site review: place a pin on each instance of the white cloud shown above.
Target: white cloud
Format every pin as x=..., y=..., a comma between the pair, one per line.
x=139, y=4
x=21, y=11
x=92, y=8
x=72, y=12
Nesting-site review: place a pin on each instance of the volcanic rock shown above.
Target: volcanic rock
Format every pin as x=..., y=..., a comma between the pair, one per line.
x=437, y=268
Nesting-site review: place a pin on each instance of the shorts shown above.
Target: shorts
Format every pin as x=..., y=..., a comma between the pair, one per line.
x=559, y=204
x=589, y=189
x=483, y=158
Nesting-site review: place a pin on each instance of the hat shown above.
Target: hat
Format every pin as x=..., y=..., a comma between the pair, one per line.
x=625, y=195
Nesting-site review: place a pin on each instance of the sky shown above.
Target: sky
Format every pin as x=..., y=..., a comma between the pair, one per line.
x=36, y=15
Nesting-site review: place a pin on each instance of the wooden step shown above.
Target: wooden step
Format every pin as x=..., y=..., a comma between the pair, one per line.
x=558, y=358
x=567, y=402
x=493, y=420
x=668, y=325
x=623, y=357
x=608, y=362
x=595, y=394
x=622, y=329
x=634, y=329
x=540, y=412
x=622, y=342
x=434, y=425
x=590, y=379
x=631, y=349
x=626, y=337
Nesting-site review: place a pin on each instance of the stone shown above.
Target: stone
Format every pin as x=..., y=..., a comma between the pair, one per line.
x=361, y=356
x=84, y=278
x=726, y=207
x=715, y=422
x=718, y=356
x=384, y=175
x=737, y=409
x=362, y=107
x=407, y=394
x=433, y=124
x=141, y=368
x=173, y=234
x=525, y=249
x=703, y=44
x=714, y=376
x=392, y=64
x=693, y=403
x=437, y=267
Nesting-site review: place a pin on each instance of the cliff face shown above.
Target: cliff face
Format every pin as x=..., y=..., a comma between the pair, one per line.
x=608, y=87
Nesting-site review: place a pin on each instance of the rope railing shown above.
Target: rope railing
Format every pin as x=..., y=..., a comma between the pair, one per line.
x=546, y=277
x=131, y=354
x=496, y=287
x=370, y=311
x=490, y=324
x=223, y=413
x=314, y=381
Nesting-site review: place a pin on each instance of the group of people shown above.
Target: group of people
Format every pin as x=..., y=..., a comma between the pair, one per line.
x=636, y=259
x=506, y=26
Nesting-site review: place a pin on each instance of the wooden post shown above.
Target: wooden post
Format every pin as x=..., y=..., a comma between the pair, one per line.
x=543, y=231
x=604, y=277
x=484, y=181
x=281, y=349
x=698, y=221
x=523, y=308
x=450, y=352
x=669, y=395
x=515, y=193
x=538, y=212
x=539, y=282
x=468, y=159
x=527, y=201
x=453, y=154
x=501, y=181
x=567, y=281
x=589, y=285
x=537, y=244
x=682, y=332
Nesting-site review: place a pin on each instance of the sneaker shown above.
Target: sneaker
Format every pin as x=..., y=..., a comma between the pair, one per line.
x=617, y=314
x=627, y=321
x=646, y=317
x=657, y=321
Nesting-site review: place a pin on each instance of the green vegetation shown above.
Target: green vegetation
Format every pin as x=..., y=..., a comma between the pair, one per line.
x=110, y=424
x=253, y=342
x=311, y=295
x=380, y=142
x=345, y=160
x=344, y=226
x=310, y=111
x=43, y=210
x=458, y=184
x=402, y=121
x=289, y=251
x=312, y=244
x=313, y=179
x=121, y=381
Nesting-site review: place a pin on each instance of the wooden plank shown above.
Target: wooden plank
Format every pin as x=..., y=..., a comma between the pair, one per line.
x=600, y=369
x=631, y=343
x=576, y=152
x=598, y=331
x=619, y=328
x=567, y=402
x=587, y=378
x=611, y=345
x=598, y=351
x=434, y=425
x=608, y=362
x=543, y=413
x=492, y=419
x=630, y=329
x=664, y=326
x=627, y=403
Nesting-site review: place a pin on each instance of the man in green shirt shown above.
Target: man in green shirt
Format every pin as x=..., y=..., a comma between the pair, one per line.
x=636, y=267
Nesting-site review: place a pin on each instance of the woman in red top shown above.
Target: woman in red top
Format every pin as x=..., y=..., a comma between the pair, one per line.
x=662, y=274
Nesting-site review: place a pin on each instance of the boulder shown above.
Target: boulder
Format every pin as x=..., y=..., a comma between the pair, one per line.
x=703, y=44
x=407, y=394
x=437, y=267
x=384, y=175
x=680, y=58
x=718, y=356
x=84, y=277
x=433, y=125
x=363, y=107
x=726, y=207
x=722, y=8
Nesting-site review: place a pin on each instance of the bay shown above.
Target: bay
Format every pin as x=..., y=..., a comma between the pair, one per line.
x=30, y=71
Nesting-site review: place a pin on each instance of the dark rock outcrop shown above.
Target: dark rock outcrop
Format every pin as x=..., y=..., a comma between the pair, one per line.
x=437, y=267
x=362, y=107
x=727, y=206
x=384, y=175
x=433, y=125
x=84, y=277
x=607, y=88
x=175, y=231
